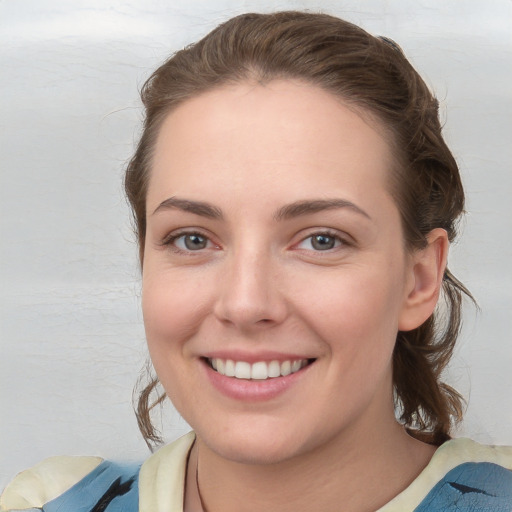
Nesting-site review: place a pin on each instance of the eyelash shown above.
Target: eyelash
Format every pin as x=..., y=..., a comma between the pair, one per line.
x=170, y=240
x=341, y=241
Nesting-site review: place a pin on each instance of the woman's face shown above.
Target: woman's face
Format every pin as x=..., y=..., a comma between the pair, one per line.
x=273, y=247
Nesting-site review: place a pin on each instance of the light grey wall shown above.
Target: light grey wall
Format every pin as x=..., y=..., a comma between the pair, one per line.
x=71, y=334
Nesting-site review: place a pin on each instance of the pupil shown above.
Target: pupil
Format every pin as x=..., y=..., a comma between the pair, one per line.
x=323, y=242
x=194, y=242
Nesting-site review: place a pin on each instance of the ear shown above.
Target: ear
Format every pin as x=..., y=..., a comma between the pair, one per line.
x=426, y=272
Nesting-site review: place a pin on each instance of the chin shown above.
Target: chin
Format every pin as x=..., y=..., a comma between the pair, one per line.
x=257, y=445
x=254, y=453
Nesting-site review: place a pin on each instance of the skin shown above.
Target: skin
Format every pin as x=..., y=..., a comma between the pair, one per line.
x=258, y=284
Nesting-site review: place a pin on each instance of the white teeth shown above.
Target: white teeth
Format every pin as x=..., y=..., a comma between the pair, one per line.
x=274, y=369
x=242, y=370
x=229, y=368
x=286, y=368
x=260, y=370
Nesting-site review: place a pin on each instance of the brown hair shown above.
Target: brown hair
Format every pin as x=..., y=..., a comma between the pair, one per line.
x=373, y=75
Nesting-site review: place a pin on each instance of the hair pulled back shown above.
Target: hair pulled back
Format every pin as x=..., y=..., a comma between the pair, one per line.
x=372, y=75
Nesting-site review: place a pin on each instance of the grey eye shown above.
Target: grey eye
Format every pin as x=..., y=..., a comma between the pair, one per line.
x=192, y=242
x=323, y=242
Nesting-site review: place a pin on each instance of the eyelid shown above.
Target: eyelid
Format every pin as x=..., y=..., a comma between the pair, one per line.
x=170, y=238
x=344, y=239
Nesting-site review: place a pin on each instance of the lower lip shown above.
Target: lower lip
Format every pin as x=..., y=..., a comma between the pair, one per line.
x=253, y=390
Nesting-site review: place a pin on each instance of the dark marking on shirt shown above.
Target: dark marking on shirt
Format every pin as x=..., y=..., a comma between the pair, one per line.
x=115, y=490
x=465, y=489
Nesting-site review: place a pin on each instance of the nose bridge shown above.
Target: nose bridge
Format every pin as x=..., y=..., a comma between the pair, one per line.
x=249, y=293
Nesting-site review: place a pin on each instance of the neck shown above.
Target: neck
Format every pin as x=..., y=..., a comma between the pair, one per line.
x=381, y=464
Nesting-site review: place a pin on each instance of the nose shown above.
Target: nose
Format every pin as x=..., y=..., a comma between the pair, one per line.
x=249, y=294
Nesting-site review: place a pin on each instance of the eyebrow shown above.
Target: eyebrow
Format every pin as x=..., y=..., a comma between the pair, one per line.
x=289, y=211
x=198, y=207
x=306, y=207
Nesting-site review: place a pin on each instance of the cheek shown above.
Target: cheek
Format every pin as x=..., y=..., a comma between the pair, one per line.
x=173, y=307
x=173, y=312
x=355, y=312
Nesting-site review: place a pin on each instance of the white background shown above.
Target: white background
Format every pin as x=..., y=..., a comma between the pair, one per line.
x=72, y=341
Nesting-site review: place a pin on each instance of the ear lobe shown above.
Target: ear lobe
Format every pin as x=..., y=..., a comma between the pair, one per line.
x=427, y=271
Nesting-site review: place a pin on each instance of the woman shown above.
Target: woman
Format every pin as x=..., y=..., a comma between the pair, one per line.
x=294, y=201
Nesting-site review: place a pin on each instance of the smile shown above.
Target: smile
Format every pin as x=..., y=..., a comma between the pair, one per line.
x=260, y=370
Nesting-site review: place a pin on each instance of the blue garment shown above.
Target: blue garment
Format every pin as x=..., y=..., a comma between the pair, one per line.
x=470, y=487
x=110, y=487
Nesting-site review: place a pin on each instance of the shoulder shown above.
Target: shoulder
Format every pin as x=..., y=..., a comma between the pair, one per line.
x=45, y=481
x=74, y=483
x=68, y=481
x=465, y=450
x=471, y=476
x=462, y=475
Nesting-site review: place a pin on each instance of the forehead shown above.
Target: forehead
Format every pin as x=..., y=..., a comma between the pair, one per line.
x=283, y=134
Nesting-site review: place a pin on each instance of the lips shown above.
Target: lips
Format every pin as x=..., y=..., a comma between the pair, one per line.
x=259, y=370
x=250, y=377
